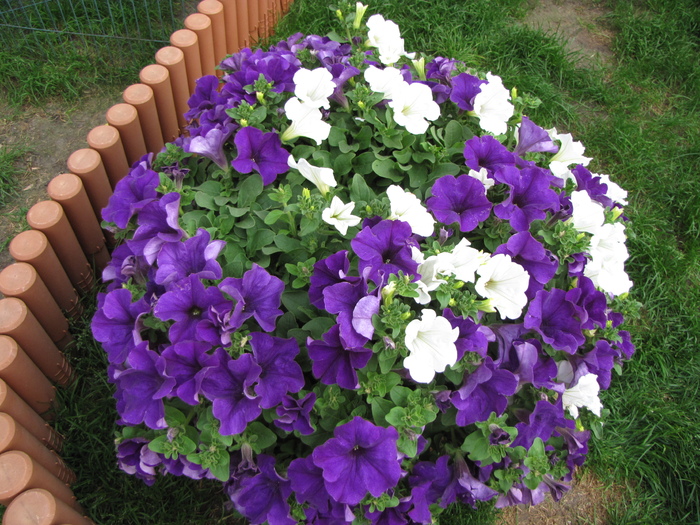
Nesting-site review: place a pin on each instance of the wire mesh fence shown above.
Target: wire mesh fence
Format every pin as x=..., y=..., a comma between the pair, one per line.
x=116, y=37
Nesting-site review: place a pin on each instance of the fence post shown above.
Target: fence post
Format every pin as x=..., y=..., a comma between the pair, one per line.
x=142, y=98
x=158, y=78
x=173, y=59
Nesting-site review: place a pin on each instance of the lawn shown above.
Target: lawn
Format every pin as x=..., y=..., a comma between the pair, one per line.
x=639, y=118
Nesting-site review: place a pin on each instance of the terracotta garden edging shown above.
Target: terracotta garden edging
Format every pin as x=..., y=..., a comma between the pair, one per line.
x=58, y=258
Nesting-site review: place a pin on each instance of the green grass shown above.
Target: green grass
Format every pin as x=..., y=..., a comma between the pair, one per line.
x=80, y=45
x=10, y=171
x=640, y=121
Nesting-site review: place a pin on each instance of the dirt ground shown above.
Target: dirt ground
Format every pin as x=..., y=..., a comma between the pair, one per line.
x=53, y=132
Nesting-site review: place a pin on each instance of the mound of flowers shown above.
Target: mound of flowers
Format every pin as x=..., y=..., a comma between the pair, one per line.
x=364, y=286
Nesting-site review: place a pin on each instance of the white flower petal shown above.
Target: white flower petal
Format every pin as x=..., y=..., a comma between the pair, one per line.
x=405, y=206
x=431, y=342
x=492, y=105
x=323, y=178
x=504, y=283
x=313, y=87
x=340, y=215
x=583, y=394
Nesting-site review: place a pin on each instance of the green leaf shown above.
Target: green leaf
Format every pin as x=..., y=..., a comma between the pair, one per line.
x=380, y=408
x=363, y=162
x=287, y=244
x=397, y=417
x=210, y=187
x=386, y=168
x=342, y=165
x=274, y=216
x=399, y=395
x=249, y=190
x=477, y=446
x=206, y=201
x=359, y=191
x=454, y=133
x=260, y=437
x=174, y=417
x=408, y=446
x=318, y=326
x=259, y=239
x=222, y=471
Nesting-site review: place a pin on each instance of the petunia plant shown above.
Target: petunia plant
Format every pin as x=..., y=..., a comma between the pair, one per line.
x=363, y=286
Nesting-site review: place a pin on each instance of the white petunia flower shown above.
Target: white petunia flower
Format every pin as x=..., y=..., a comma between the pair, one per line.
x=385, y=80
x=431, y=342
x=465, y=260
x=340, y=215
x=587, y=215
x=430, y=271
x=386, y=37
x=323, y=178
x=583, y=394
x=615, y=192
x=313, y=87
x=492, y=106
x=482, y=175
x=608, y=252
x=408, y=208
x=504, y=283
x=306, y=122
x=570, y=152
x=413, y=107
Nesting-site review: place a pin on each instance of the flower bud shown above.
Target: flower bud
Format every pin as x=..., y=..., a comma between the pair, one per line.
x=360, y=9
x=260, y=96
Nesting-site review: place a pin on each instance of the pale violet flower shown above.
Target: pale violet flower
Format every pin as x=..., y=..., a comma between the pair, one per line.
x=313, y=87
x=306, y=122
x=504, y=283
x=386, y=37
x=570, y=153
x=413, y=107
x=431, y=343
x=492, y=105
x=466, y=260
x=323, y=178
x=583, y=394
x=565, y=372
x=587, y=215
x=385, y=80
x=482, y=175
x=615, y=192
x=408, y=208
x=340, y=215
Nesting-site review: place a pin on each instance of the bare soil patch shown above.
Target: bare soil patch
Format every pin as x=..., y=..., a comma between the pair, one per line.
x=582, y=24
x=50, y=133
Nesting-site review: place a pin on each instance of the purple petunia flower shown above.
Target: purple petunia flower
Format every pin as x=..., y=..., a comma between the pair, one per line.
x=333, y=363
x=293, y=414
x=556, y=319
x=484, y=391
x=385, y=248
x=331, y=270
x=531, y=137
x=279, y=374
x=229, y=385
x=487, y=152
x=257, y=294
x=135, y=458
x=473, y=337
x=196, y=256
x=263, y=498
x=210, y=143
x=355, y=308
x=529, y=253
x=529, y=364
x=459, y=199
x=187, y=303
x=529, y=198
x=183, y=362
x=115, y=323
x=158, y=223
x=132, y=193
x=141, y=389
x=541, y=423
x=262, y=152
x=307, y=483
x=206, y=96
x=464, y=88
x=360, y=458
